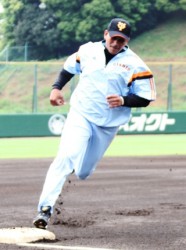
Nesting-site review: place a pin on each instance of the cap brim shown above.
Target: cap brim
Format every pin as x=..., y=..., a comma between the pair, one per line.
x=117, y=33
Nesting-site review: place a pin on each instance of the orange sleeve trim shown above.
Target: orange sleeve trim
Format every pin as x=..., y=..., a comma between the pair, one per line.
x=141, y=75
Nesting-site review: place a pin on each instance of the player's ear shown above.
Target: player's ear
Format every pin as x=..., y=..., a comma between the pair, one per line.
x=106, y=34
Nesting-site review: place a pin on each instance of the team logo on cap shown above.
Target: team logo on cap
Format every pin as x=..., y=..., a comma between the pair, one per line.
x=121, y=26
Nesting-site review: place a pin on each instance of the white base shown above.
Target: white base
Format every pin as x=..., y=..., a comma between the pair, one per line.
x=24, y=235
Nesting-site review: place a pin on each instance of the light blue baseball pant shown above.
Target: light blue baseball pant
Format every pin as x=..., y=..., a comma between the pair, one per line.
x=81, y=147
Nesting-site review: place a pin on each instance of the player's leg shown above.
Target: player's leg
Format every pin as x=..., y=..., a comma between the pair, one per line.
x=99, y=141
x=71, y=151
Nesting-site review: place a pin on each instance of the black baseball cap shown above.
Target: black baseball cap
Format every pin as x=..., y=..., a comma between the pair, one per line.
x=119, y=27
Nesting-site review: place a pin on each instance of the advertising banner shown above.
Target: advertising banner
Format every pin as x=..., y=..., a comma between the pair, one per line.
x=32, y=125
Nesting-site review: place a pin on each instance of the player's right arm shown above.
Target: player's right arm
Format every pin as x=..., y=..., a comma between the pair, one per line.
x=56, y=96
x=71, y=67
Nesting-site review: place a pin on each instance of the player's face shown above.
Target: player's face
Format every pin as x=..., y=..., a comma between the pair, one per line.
x=114, y=44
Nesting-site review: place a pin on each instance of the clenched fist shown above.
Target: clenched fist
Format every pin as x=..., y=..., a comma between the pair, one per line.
x=56, y=98
x=115, y=101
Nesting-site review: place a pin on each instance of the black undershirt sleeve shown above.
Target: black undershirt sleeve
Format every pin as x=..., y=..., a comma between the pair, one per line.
x=63, y=78
x=134, y=101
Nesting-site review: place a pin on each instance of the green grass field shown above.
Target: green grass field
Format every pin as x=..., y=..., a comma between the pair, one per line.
x=127, y=145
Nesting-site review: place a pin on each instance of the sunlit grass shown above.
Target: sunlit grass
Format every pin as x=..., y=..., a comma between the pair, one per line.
x=126, y=145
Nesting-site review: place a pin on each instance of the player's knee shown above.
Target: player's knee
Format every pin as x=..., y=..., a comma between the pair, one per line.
x=82, y=175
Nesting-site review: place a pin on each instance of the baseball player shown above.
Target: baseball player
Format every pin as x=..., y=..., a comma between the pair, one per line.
x=113, y=79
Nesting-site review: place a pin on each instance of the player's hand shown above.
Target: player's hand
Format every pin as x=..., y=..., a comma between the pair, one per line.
x=115, y=101
x=56, y=98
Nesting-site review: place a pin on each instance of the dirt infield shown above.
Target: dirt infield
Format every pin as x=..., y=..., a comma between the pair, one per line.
x=134, y=203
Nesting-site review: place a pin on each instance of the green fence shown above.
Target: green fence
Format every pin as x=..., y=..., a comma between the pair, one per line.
x=155, y=123
x=31, y=125
x=25, y=87
x=18, y=53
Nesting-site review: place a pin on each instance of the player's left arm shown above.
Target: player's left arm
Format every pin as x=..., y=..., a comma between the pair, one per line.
x=142, y=89
x=135, y=101
x=138, y=97
x=132, y=101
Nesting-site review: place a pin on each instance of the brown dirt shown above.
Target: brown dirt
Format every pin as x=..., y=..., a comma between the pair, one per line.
x=134, y=203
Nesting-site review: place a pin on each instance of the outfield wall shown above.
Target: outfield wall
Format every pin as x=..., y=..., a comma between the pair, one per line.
x=33, y=125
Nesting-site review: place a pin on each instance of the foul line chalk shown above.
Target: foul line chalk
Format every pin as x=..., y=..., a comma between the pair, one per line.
x=60, y=247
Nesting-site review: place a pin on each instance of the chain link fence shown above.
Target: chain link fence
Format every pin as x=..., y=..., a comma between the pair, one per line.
x=18, y=53
x=25, y=87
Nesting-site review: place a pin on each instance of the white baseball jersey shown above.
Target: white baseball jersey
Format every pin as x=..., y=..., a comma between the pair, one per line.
x=124, y=74
x=91, y=124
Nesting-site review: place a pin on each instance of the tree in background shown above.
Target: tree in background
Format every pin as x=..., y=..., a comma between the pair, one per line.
x=80, y=21
x=171, y=5
x=27, y=23
x=62, y=25
x=95, y=16
x=83, y=21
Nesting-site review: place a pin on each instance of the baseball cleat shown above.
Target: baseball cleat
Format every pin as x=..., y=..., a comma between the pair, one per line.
x=42, y=219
